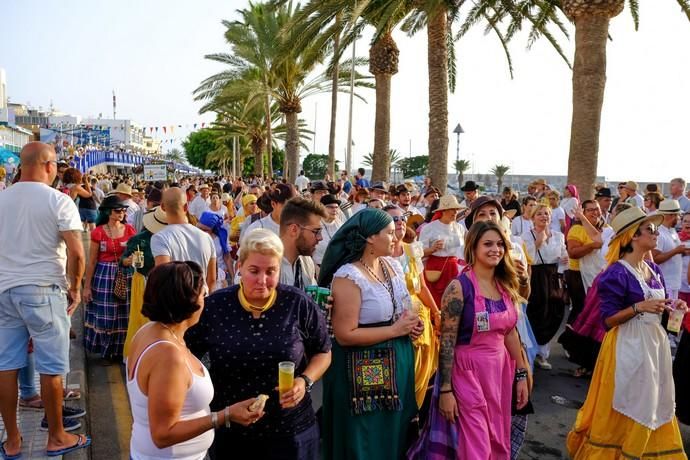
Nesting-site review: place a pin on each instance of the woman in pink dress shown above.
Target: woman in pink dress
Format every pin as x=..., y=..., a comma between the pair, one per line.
x=480, y=348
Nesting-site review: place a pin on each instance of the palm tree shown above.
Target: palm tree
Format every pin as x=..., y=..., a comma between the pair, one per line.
x=176, y=156
x=591, y=21
x=438, y=16
x=461, y=167
x=253, y=49
x=500, y=171
x=292, y=79
x=318, y=21
x=393, y=159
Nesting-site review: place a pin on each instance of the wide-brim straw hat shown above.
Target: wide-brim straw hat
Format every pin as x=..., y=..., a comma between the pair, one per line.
x=123, y=188
x=669, y=207
x=448, y=202
x=155, y=220
x=633, y=216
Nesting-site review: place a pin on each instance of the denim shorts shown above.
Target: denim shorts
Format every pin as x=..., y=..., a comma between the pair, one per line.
x=88, y=215
x=39, y=312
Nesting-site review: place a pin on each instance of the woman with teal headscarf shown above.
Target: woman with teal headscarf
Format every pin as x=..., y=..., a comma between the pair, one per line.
x=369, y=398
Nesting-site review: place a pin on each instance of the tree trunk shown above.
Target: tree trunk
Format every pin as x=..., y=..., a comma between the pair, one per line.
x=589, y=81
x=382, y=129
x=383, y=64
x=292, y=146
x=438, y=100
x=269, y=136
x=334, y=102
x=499, y=184
x=461, y=179
x=258, y=149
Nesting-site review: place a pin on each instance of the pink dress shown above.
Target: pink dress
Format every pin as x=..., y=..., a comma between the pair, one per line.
x=482, y=378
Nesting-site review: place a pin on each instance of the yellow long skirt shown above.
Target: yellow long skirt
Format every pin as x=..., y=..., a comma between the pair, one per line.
x=601, y=433
x=136, y=319
x=425, y=353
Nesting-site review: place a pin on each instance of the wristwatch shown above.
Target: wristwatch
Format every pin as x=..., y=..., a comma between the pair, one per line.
x=309, y=382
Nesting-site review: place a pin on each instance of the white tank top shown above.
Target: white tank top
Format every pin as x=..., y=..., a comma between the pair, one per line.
x=196, y=404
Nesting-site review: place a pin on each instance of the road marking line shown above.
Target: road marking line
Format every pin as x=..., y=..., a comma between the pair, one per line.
x=123, y=420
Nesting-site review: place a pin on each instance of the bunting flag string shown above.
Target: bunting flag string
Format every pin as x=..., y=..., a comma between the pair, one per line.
x=146, y=130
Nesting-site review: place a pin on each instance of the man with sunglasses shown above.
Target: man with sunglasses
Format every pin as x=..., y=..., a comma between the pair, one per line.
x=300, y=232
x=579, y=246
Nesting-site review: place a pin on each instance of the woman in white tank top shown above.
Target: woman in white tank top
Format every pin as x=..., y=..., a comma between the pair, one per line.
x=170, y=391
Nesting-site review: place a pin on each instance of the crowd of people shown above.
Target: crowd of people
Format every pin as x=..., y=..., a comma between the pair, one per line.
x=412, y=319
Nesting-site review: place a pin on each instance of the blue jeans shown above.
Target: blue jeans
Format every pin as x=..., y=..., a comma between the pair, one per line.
x=39, y=312
x=27, y=381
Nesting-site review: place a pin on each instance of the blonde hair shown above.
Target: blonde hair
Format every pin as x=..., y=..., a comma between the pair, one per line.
x=261, y=241
x=541, y=206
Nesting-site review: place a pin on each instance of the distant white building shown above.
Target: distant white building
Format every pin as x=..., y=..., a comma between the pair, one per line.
x=126, y=132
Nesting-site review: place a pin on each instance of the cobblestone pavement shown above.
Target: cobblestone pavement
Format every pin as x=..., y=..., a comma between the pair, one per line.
x=34, y=439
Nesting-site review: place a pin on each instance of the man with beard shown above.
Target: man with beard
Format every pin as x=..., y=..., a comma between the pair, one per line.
x=300, y=231
x=405, y=199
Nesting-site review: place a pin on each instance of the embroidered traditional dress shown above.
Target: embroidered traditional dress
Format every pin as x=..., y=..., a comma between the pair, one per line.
x=379, y=431
x=629, y=411
x=106, y=316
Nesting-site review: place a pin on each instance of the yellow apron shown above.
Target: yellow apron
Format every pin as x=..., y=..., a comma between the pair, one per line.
x=136, y=318
x=426, y=346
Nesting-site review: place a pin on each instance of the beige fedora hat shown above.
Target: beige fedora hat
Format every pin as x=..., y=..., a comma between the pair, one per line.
x=155, y=220
x=123, y=188
x=448, y=202
x=633, y=216
x=669, y=207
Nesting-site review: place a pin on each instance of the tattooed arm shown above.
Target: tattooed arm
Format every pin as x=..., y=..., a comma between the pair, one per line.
x=451, y=313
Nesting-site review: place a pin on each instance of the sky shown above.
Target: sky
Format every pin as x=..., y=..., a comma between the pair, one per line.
x=76, y=52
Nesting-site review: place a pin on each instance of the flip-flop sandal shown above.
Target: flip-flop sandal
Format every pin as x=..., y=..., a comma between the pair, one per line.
x=83, y=442
x=70, y=395
x=6, y=456
x=35, y=403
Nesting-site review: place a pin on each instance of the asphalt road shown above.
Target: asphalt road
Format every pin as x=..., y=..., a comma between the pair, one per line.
x=110, y=419
x=549, y=426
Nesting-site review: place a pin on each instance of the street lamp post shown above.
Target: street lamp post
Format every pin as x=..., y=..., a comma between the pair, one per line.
x=458, y=130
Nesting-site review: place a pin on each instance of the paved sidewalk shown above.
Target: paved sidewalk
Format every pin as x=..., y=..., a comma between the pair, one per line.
x=34, y=440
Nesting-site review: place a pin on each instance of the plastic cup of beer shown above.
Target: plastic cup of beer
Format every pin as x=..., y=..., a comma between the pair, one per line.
x=286, y=376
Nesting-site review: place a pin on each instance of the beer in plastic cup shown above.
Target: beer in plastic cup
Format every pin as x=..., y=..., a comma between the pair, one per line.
x=675, y=320
x=286, y=376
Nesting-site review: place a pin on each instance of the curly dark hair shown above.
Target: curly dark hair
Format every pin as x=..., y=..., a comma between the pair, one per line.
x=71, y=176
x=172, y=291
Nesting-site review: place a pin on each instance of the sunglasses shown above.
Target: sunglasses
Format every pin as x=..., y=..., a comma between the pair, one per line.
x=120, y=210
x=653, y=229
x=315, y=231
x=397, y=219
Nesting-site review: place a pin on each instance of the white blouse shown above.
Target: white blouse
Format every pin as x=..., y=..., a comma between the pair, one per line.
x=551, y=250
x=377, y=305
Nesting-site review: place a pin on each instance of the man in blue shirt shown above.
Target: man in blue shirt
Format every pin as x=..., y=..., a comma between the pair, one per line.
x=360, y=180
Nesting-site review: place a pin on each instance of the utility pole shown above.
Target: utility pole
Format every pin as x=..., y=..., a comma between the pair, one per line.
x=114, y=106
x=348, y=154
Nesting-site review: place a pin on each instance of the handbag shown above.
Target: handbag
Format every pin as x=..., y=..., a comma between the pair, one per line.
x=120, y=285
x=557, y=292
x=120, y=281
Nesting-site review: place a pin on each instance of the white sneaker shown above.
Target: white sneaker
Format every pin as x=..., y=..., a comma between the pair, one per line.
x=542, y=363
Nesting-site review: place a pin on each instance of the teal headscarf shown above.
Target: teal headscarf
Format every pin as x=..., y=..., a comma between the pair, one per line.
x=348, y=243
